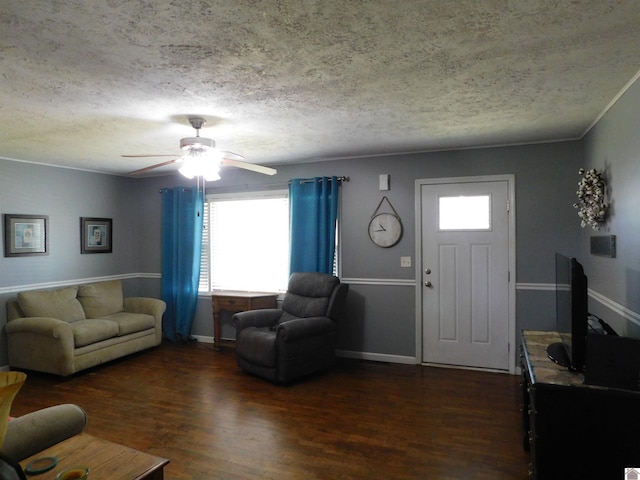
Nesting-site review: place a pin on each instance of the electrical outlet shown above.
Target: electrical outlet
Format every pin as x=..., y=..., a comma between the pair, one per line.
x=405, y=262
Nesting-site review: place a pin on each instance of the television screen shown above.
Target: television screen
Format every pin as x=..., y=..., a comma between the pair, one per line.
x=571, y=314
x=563, y=298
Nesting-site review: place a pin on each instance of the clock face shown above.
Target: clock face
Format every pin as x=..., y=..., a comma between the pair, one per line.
x=385, y=229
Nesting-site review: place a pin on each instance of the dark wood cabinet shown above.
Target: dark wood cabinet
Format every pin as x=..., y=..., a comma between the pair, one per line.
x=573, y=430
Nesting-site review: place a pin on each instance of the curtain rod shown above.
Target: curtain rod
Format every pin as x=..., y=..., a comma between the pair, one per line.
x=184, y=189
x=308, y=180
x=268, y=185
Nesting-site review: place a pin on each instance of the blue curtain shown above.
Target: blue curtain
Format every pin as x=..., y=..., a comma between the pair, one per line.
x=182, y=212
x=314, y=212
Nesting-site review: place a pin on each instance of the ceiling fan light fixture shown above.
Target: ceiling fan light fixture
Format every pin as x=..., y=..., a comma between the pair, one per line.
x=202, y=159
x=201, y=163
x=212, y=177
x=197, y=143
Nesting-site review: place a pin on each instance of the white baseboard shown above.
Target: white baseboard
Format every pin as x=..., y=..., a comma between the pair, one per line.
x=203, y=338
x=377, y=357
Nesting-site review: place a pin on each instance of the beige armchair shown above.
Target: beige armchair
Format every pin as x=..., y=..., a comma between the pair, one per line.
x=37, y=431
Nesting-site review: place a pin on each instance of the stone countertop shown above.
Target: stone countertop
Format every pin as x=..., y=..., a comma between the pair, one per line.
x=541, y=368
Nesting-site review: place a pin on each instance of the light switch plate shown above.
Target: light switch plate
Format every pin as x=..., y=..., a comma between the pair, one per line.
x=405, y=262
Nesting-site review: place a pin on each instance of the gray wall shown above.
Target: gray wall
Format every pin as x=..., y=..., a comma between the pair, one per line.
x=381, y=311
x=613, y=146
x=66, y=195
x=381, y=320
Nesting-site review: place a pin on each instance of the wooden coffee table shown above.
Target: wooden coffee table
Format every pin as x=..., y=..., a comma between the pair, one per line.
x=107, y=460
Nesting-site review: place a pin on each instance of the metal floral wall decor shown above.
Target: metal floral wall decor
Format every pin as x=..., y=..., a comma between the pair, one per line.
x=591, y=205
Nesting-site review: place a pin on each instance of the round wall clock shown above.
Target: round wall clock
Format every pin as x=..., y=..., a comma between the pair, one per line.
x=385, y=229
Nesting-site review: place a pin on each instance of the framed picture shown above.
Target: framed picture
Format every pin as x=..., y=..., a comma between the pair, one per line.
x=26, y=235
x=95, y=235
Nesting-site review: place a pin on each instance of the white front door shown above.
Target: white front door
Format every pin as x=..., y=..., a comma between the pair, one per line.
x=464, y=253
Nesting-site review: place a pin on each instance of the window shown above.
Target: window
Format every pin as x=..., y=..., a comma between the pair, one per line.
x=245, y=242
x=465, y=213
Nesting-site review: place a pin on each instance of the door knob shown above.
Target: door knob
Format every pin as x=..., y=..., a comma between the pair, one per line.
x=428, y=284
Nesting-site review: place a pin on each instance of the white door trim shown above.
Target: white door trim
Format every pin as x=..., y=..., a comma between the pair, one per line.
x=510, y=179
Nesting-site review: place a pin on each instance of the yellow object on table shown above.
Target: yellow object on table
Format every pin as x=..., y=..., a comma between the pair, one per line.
x=10, y=383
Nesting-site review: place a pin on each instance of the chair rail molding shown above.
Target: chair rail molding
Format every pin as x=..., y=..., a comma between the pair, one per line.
x=76, y=281
x=607, y=302
x=403, y=282
x=536, y=286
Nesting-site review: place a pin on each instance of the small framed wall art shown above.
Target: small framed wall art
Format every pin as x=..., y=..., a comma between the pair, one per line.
x=26, y=235
x=96, y=235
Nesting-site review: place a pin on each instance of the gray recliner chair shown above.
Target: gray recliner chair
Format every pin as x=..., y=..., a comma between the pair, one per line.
x=281, y=345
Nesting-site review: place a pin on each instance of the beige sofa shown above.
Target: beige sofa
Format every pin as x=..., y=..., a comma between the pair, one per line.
x=65, y=330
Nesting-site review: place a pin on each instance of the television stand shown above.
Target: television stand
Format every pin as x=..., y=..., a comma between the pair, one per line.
x=573, y=430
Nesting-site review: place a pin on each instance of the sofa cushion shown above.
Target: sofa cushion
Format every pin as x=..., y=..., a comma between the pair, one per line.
x=131, y=322
x=60, y=303
x=308, y=294
x=297, y=306
x=88, y=331
x=101, y=299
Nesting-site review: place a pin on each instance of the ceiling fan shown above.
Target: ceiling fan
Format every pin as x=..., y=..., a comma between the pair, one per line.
x=201, y=158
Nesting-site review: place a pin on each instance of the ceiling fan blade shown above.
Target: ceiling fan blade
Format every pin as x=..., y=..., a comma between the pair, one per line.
x=144, y=156
x=231, y=155
x=158, y=165
x=248, y=166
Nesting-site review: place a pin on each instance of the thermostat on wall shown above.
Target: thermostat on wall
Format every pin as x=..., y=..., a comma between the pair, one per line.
x=384, y=181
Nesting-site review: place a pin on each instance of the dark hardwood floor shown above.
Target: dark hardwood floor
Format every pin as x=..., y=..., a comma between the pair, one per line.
x=361, y=420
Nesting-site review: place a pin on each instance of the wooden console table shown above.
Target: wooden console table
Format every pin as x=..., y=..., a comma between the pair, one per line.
x=106, y=460
x=573, y=430
x=234, y=302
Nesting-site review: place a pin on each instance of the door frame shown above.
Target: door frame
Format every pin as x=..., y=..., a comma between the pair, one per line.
x=511, y=213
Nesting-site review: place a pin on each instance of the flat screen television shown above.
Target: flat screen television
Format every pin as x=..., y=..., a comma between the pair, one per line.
x=571, y=314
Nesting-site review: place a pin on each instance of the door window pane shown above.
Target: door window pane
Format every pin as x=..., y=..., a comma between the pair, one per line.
x=465, y=212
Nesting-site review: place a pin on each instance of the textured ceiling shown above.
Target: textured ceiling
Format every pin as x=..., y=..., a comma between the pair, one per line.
x=281, y=81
